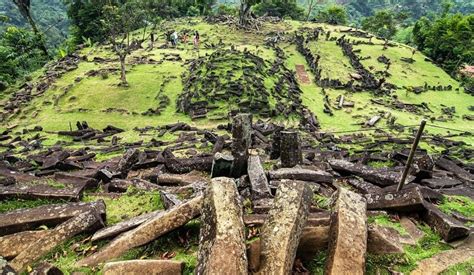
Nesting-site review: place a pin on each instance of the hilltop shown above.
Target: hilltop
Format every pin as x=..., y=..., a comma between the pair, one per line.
x=84, y=87
x=334, y=112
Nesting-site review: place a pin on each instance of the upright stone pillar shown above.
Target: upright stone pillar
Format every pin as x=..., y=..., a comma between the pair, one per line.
x=241, y=141
x=290, y=149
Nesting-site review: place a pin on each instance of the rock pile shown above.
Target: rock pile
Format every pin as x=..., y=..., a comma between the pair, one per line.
x=279, y=204
x=235, y=80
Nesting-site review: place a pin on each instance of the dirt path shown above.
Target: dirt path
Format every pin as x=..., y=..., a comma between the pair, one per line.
x=303, y=76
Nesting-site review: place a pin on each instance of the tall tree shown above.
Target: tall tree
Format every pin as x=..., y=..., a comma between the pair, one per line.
x=334, y=15
x=383, y=24
x=244, y=11
x=118, y=22
x=25, y=9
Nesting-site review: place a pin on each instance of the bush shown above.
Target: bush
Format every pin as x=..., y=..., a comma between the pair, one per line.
x=334, y=15
x=279, y=8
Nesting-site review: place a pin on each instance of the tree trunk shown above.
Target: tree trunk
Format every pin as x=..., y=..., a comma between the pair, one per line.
x=123, y=76
x=38, y=34
x=244, y=13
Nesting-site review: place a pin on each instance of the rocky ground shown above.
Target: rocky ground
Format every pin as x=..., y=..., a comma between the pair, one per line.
x=254, y=155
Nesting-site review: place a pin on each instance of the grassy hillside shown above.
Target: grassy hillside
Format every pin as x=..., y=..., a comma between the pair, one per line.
x=98, y=99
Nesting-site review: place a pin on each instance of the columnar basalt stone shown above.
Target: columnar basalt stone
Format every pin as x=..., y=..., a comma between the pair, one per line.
x=222, y=235
x=241, y=141
x=348, y=234
x=276, y=143
x=155, y=267
x=49, y=215
x=301, y=175
x=407, y=200
x=290, y=149
x=381, y=177
x=146, y=232
x=54, y=237
x=14, y=244
x=281, y=232
x=118, y=228
x=258, y=179
x=447, y=227
x=222, y=165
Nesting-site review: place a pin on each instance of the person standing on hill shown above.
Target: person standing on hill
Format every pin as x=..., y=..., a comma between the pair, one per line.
x=196, y=39
x=174, y=37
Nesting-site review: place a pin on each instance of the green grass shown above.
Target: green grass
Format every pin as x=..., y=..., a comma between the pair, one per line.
x=321, y=202
x=381, y=164
x=129, y=205
x=460, y=204
x=93, y=95
x=13, y=204
x=386, y=221
x=317, y=264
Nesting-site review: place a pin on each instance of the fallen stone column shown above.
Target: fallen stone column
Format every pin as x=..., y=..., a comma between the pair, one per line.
x=14, y=244
x=281, y=232
x=290, y=150
x=222, y=235
x=146, y=232
x=348, y=234
x=380, y=177
x=156, y=267
x=447, y=227
x=183, y=166
x=118, y=228
x=55, y=237
x=241, y=141
x=180, y=179
x=301, y=174
x=407, y=200
x=258, y=180
x=49, y=215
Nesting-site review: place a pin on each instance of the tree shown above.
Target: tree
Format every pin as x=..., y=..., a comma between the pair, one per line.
x=244, y=11
x=205, y=6
x=382, y=24
x=118, y=22
x=25, y=9
x=279, y=8
x=448, y=39
x=310, y=4
x=334, y=15
x=20, y=53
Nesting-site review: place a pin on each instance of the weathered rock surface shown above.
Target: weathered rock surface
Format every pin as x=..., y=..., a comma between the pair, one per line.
x=222, y=235
x=118, y=228
x=301, y=174
x=258, y=180
x=290, y=149
x=380, y=177
x=281, y=232
x=156, y=267
x=348, y=234
x=49, y=215
x=446, y=259
x=14, y=244
x=241, y=141
x=54, y=237
x=146, y=232
x=407, y=200
x=385, y=240
x=448, y=227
